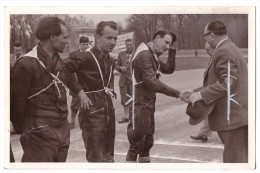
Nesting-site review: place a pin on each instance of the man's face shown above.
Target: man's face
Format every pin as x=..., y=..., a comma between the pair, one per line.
x=17, y=51
x=162, y=43
x=107, y=41
x=129, y=46
x=83, y=46
x=209, y=49
x=208, y=36
x=60, y=41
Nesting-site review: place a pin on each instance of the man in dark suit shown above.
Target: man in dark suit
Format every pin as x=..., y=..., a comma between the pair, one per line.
x=75, y=103
x=125, y=81
x=226, y=84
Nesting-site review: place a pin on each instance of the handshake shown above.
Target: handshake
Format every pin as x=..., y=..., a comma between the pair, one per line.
x=190, y=96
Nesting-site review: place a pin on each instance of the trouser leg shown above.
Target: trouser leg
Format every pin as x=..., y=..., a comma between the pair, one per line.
x=205, y=130
x=137, y=133
x=235, y=145
x=64, y=135
x=110, y=138
x=135, y=146
x=75, y=104
x=43, y=142
x=149, y=140
x=94, y=130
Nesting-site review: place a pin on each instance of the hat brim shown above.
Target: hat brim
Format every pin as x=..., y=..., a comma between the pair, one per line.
x=193, y=121
x=201, y=109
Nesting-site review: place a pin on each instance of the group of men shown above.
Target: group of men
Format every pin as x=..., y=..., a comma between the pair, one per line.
x=40, y=79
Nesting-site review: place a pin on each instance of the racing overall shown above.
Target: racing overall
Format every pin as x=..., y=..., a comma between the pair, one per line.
x=95, y=76
x=146, y=83
x=39, y=106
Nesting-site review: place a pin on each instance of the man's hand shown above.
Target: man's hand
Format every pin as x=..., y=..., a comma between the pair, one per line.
x=194, y=97
x=84, y=100
x=185, y=96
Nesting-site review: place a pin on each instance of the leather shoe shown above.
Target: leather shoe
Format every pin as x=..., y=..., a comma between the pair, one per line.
x=203, y=138
x=123, y=120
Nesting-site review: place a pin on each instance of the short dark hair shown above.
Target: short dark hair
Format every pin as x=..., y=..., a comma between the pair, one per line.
x=17, y=44
x=83, y=39
x=101, y=25
x=128, y=40
x=162, y=33
x=217, y=27
x=49, y=26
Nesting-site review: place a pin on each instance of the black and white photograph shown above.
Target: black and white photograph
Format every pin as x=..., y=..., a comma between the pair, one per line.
x=130, y=87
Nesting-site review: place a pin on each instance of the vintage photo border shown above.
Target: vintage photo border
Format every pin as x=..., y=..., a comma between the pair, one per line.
x=134, y=10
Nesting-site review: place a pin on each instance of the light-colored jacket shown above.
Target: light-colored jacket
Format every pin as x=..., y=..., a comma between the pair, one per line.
x=215, y=87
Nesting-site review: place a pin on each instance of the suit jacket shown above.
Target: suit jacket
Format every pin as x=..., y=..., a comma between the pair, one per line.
x=122, y=61
x=215, y=87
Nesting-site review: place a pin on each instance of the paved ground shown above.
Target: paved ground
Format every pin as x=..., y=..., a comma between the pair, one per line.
x=172, y=135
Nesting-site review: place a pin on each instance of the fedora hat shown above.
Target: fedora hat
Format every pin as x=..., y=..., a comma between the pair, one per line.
x=199, y=111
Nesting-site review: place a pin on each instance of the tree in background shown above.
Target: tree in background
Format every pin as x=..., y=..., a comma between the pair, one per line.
x=188, y=27
x=22, y=27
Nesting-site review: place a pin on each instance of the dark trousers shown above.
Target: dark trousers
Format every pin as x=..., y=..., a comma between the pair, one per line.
x=98, y=133
x=45, y=140
x=125, y=89
x=75, y=104
x=141, y=136
x=235, y=145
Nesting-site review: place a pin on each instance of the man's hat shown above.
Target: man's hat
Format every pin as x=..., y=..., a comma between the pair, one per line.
x=199, y=111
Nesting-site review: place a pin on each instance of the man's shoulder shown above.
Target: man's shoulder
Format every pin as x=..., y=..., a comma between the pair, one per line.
x=78, y=54
x=144, y=54
x=26, y=63
x=26, y=60
x=74, y=52
x=229, y=49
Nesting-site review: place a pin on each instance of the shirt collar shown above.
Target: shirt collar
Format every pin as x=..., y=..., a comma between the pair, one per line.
x=129, y=52
x=221, y=42
x=98, y=53
x=50, y=62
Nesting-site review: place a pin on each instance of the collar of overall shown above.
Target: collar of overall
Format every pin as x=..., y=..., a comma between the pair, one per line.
x=153, y=49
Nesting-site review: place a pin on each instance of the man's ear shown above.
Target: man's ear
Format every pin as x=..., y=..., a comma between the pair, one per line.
x=98, y=36
x=158, y=36
x=52, y=37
